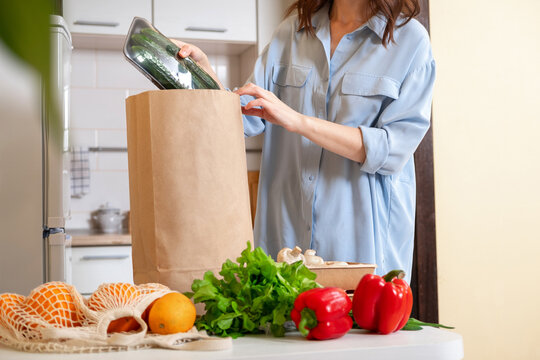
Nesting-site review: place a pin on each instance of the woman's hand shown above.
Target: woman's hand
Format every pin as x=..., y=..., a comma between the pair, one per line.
x=198, y=56
x=267, y=106
x=343, y=140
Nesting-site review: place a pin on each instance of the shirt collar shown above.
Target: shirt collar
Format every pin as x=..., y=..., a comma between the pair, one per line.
x=321, y=17
x=376, y=23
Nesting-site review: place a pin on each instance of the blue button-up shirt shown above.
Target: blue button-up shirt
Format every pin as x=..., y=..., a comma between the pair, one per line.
x=313, y=198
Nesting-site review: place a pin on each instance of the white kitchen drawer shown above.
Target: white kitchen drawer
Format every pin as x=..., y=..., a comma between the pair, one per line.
x=95, y=265
x=231, y=20
x=104, y=16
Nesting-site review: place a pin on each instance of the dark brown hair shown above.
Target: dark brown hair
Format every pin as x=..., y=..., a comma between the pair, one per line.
x=391, y=9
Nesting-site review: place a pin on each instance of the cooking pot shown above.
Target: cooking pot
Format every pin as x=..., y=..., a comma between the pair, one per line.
x=108, y=219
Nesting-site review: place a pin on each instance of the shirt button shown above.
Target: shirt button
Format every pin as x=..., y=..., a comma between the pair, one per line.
x=309, y=228
x=310, y=178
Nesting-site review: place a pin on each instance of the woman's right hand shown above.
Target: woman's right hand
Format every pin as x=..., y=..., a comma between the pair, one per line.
x=198, y=56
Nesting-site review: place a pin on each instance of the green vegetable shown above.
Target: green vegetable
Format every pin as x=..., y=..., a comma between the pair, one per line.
x=187, y=79
x=161, y=40
x=253, y=294
x=155, y=67
x=201, y=79
x=200, y=74
x=413, y=324
x=143, y=40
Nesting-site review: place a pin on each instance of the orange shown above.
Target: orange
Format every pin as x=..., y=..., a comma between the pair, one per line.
x=108, y=296
x=171, y=313
x=112, y=295
x=123, y=324
x=8, y=301
x=54, y=303
x=146, y=311
x=10, y=313
x=129, y=323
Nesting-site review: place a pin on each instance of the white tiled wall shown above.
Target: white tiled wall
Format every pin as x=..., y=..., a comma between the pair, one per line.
x=101, y=80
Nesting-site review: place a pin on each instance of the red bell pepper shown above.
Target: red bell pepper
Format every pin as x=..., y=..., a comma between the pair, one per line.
x=322, y=313
x=382, y=304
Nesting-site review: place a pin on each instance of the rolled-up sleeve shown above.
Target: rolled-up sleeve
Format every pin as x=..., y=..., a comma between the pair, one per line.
x=254, y=125
x=401, y=125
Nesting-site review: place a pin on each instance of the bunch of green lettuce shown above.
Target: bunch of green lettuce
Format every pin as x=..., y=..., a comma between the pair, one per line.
x=254, y=294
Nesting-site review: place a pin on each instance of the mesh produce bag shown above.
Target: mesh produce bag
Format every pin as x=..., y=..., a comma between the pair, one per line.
x=54, y=317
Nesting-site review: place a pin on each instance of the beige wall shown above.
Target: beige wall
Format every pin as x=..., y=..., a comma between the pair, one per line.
x=487, y=173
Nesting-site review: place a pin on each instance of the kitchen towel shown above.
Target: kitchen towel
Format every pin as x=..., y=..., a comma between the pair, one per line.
x=189, y=195
x=80, y=172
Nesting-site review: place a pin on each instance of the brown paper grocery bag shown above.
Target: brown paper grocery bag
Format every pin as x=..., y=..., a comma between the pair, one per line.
x=188, y=186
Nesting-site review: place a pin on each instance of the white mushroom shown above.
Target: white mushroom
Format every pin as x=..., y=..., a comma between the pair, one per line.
x=290, y=256
x=312, y=259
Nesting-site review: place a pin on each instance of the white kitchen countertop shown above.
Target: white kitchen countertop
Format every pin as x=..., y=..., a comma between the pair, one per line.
x=428, y=343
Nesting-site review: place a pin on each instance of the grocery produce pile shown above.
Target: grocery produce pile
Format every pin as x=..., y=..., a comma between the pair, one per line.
x=253, y=295
x=54, y=317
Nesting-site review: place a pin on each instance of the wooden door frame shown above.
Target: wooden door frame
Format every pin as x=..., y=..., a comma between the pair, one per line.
x=424, y=276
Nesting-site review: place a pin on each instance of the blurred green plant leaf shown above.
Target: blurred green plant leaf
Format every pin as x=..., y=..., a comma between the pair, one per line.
x=24, y=29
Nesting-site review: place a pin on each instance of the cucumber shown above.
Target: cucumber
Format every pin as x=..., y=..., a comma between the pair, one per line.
x=198, y=72
x=161, y=40
x=200, y=77
x=185, y=76
x=155, y=68
x=144, y=41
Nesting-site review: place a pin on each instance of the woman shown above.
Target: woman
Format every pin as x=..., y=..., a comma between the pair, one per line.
x=343, y=95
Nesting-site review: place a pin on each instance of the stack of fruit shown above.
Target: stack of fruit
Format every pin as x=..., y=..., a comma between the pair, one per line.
x=169, y=314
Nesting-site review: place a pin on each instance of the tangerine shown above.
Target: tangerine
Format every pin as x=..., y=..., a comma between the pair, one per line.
x=146, y=311
x=123, y=324
x=54, y=303
x=9, y=309
x=108, y=296
x=171, y=313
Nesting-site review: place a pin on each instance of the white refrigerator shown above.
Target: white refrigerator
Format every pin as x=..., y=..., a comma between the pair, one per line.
x=34, y=169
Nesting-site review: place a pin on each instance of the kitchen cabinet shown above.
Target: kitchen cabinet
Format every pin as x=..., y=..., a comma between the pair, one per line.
x=94, y=265
x=110, y=17
x=231, y=27
x=232, y=20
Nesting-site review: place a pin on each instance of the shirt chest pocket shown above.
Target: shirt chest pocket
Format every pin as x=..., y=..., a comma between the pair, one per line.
x=369, y=85
x=368, y=94
x=290, y=84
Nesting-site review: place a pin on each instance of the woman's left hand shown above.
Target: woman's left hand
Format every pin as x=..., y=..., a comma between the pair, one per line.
x=267, y=106
x=343, y=140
